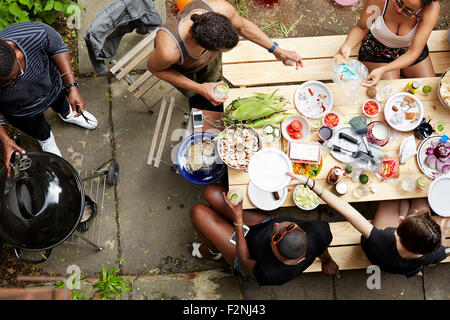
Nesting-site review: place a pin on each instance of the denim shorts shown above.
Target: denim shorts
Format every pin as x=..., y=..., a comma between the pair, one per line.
x=236, y=260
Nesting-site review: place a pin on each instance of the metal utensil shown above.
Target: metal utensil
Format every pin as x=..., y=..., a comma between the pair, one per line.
x=78, y=108
x=359, y=124
x=355, y=154
x=343, y=135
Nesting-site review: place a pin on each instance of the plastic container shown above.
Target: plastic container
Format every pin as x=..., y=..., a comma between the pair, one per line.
x=271, y=132
x=303, y=152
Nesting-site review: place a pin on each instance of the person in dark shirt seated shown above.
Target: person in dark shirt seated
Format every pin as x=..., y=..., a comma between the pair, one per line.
x=403, y=237
x=275, y=250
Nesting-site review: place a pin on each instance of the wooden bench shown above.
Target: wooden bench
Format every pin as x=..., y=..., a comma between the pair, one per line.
x=249, y=65
x=346, y=250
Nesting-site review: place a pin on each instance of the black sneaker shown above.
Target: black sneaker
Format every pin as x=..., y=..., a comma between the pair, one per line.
x=200, y=102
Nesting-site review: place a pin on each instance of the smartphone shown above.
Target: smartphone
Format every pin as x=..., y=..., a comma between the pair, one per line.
x=233, y=236
x=197, y=119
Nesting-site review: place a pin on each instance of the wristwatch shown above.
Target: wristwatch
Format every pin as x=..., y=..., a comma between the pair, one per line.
x=67, y=86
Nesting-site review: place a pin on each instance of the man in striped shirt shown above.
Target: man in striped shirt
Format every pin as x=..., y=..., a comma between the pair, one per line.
x=35, y=74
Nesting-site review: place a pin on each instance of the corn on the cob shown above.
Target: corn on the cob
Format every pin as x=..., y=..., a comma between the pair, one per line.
x=275, y=118
x=255, y=107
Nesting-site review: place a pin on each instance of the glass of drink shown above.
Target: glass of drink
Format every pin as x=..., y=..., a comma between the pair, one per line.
x=384, y=93
x=422, y=182
x=361, y=191
x=408, y=184
x=221, y=90
x=235, y=195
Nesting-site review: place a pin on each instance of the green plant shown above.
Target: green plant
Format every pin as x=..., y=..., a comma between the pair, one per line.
x=110, y=284
x=13, y=11
x=281, y=27
x=241, y=7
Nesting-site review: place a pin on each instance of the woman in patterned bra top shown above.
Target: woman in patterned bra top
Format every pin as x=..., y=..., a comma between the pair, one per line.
x=393, y=36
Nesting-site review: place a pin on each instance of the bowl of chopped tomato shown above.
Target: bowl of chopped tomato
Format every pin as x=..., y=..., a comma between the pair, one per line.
x=295, y=128
x=371, y=108
x=331, y=119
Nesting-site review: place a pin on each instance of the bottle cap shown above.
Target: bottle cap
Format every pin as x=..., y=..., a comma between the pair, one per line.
x=415, y=85
x=444, y=138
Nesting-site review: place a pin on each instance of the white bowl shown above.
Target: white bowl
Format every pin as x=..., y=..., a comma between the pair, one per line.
x=339, y=119
x=304, y=131
x=364, y=111
x=298, y=204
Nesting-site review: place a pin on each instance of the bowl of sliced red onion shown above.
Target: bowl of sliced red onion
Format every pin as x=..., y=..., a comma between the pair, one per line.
x=433, y=156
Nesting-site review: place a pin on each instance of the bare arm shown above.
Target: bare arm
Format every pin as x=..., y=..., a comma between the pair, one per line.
x=164, y=56
x=344, y=208
x=245, y=261
x=64, y=66
x=252, y=32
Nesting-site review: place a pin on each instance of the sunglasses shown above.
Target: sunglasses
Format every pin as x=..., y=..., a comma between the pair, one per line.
x=280, y=235
x=407, y=11
x=14, y=78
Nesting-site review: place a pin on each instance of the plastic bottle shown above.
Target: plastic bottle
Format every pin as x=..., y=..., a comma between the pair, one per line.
x=413, y=87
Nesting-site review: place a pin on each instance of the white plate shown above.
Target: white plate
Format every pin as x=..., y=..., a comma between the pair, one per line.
x=265, y=200
x=307, y=104
x=422, y=154
x=346, y=157
x=438, y=196
x=405, y=125
x=267, y=170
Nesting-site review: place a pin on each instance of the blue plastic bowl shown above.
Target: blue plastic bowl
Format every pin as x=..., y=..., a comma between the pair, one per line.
x=205, y=175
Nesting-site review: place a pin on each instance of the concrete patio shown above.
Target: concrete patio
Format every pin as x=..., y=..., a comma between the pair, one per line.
x=143, y=224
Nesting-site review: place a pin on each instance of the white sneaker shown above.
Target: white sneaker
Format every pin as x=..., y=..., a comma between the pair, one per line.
x=80, y=120
x=49, y=145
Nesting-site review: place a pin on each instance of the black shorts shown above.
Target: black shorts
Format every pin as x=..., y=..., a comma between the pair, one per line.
x=36, y=126
x=372, y=50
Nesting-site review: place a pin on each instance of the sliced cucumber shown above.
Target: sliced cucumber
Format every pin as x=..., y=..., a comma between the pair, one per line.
x=268, y=129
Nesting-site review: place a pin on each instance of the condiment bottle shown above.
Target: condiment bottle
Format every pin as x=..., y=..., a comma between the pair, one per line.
x=413, y=86
x=334, y=174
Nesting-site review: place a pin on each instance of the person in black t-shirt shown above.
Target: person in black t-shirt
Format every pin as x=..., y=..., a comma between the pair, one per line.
x=403, y=237
x=275, y=250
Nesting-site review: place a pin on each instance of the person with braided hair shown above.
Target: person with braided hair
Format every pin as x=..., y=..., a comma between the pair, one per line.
x=188, y=48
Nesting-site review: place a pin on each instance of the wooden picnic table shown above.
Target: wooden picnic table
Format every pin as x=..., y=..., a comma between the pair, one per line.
x=386, y=190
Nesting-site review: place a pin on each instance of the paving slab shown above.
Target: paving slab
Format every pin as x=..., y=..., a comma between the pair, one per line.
x=205, y=285
x=308, y=286
x=129, y=40
x=353, y=286
x=154, y=203
x=86, y=150
x=437, y=282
